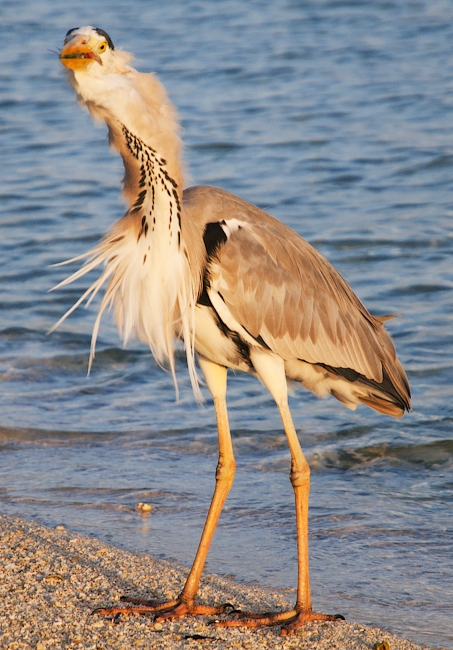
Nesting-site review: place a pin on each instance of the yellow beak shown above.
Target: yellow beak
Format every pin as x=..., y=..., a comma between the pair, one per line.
x=78, y=54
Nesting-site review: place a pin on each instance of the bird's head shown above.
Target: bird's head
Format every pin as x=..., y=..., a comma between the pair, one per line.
x=85, y=47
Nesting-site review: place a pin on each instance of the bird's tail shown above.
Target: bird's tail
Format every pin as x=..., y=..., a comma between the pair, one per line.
x=391, y=396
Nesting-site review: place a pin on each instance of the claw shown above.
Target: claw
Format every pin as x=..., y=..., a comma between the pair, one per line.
x=96, y=610
x=230, y=606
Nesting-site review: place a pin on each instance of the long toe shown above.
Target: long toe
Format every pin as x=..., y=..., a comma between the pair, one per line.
x=252, y=619
x=182, y=609
x=302, y=618
x=291, y=619
x=162, y=610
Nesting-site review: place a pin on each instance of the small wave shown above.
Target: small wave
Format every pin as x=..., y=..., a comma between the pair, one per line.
x=429, y=455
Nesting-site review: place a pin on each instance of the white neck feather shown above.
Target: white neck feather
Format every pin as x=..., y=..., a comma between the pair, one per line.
x=150, y=282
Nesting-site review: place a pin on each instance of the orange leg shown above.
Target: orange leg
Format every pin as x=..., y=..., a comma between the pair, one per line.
x=271, y=371
x=185, y=603
x=302, y=613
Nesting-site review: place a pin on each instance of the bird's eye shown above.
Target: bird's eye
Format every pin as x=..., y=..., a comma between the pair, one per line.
x=102, y=46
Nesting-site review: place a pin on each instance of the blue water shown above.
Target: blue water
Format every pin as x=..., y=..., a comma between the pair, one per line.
x=336, y=117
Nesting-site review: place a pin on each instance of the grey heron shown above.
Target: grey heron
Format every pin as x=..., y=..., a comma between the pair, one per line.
x=237, y=287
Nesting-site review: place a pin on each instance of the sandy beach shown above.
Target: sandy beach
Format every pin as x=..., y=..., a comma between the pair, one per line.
x=52, y=579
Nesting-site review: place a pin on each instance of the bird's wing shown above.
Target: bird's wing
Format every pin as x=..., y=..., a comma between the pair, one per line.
x=264, y=278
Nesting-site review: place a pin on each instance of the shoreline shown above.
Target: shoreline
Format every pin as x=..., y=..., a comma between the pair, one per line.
x=52, y=579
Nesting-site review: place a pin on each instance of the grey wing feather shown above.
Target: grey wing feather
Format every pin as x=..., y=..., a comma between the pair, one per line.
x=281, y=289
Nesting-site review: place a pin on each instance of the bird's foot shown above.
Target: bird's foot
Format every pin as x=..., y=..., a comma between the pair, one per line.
x=292, y=619
x=162, y=610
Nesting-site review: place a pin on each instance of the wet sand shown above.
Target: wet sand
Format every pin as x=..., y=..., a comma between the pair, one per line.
x=52, y=579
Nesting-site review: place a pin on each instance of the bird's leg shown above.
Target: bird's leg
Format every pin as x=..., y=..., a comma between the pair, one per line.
x=300, y=480
x=302, y=612
x=216, y=379
x=271, y=372
x=185, y=604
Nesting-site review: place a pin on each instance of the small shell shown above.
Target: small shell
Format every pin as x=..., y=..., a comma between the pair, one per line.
x=143, y=507
x=53, y=579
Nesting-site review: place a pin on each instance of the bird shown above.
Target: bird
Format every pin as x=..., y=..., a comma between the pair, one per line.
x=237, y=287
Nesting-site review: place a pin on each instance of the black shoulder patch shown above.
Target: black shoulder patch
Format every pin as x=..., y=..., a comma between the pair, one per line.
x=106, y=36
x=214, y=238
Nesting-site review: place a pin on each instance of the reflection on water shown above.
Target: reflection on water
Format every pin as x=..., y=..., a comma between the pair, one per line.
x=335, y=117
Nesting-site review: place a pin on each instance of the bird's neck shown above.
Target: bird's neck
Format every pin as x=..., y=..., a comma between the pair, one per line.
x=143, y=128
x=155, y=194
x=152, y=286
